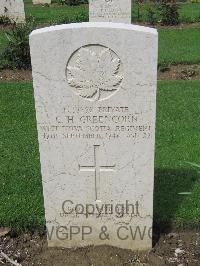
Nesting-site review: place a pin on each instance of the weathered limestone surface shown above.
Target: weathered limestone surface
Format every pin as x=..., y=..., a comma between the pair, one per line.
x=95, y=97
x=110, y=11
x=36, y=2
x=13, y=9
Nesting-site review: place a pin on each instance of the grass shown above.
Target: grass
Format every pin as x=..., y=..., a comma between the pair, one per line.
x=55, y=14
x=177, y=141
x=190, y=12
x=179, y=45
x=20, y=180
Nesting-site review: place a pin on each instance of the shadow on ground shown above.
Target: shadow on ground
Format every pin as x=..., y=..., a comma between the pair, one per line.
x=168, y=184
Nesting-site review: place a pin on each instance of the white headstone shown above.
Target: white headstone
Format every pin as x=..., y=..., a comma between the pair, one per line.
x=110, y=11
x=13, y=9
x=42, y=2
x=95, y=97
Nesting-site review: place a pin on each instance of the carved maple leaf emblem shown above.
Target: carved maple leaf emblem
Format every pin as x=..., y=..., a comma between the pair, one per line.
x=94, y=72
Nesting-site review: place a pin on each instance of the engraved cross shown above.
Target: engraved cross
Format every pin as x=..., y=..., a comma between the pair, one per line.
x=97, y=169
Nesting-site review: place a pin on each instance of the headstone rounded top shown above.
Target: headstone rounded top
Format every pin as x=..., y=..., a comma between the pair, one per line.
x=95, y=25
